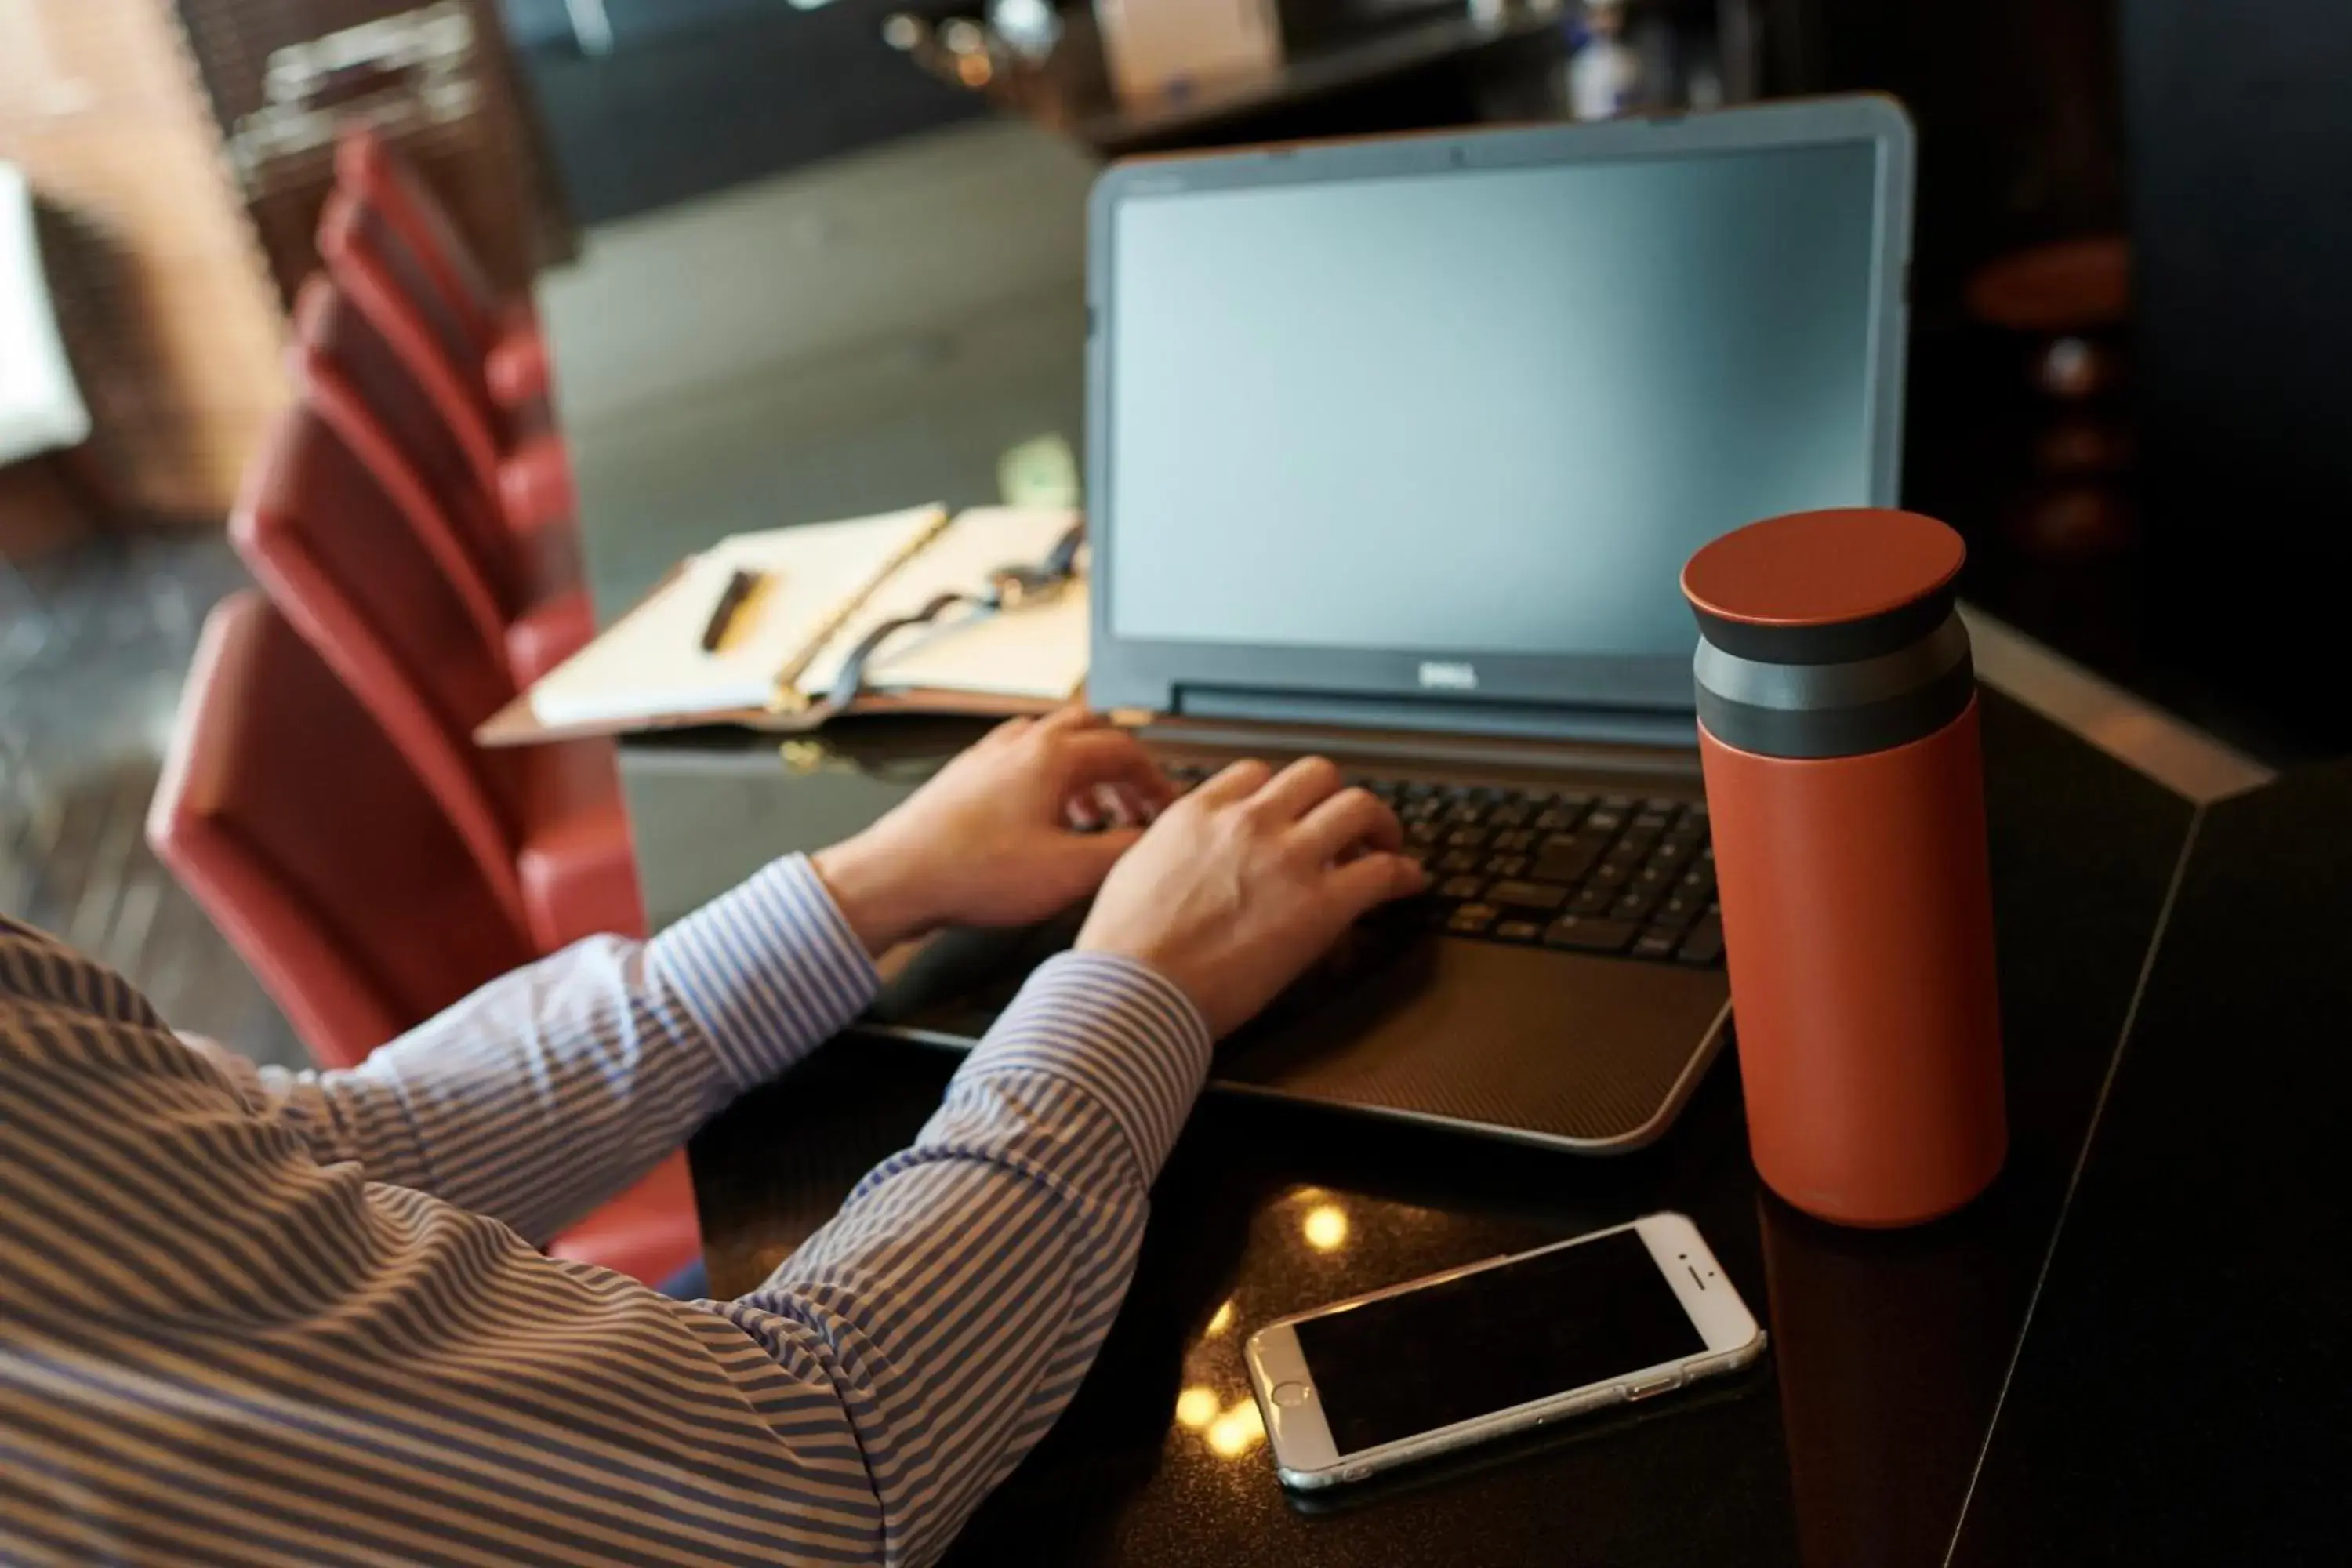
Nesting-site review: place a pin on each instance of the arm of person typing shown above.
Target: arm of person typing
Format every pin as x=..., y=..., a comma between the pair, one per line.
x=239, y=1351
x=935, y=1328
x=552, y=1088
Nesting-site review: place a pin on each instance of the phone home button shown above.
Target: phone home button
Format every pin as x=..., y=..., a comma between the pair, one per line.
x=1288, y=1395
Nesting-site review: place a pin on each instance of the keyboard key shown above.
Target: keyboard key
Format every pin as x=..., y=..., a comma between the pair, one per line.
x=1544, y=896
x=1472, y=920
x=1506, y=865
x=1507, y=816
x=1605, y=820
x=1697, y=812
x=1462, y=888
x=1464, y=813
x=1609, y=875
x=1458, y=861
x=1678, y=911
x=1513, y=841
x=1668, y=858
x=1569, y=858
x=1517, y=930
x=1468, y=838
x=1633, y=905
x=1592, y=901
x=1704, y=944
x=1422, y=833
x=1555, y=819
x=1618, y=802
x=1586, y=935
x=1656, y=945
x=1653, y=820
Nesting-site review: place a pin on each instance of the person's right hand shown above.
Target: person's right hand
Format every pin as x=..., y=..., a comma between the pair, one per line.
x=1247, y=880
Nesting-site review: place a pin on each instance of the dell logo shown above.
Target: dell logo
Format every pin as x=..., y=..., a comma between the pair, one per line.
x=1440, y=677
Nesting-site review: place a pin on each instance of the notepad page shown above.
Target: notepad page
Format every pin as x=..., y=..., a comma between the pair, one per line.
x=1039, y=650
x=651, y=664
x=959, y=559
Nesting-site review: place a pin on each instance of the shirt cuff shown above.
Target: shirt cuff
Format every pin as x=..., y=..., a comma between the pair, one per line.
x=768, y=971
x=1117, y=1028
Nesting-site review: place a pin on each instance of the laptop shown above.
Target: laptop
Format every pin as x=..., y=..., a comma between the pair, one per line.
x=1395, y=451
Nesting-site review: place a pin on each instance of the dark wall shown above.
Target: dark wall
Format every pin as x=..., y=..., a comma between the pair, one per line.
x=2019, y=138
x=2241, y=143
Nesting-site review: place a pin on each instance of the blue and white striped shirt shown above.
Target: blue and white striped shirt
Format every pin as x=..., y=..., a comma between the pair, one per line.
x=254, y=1317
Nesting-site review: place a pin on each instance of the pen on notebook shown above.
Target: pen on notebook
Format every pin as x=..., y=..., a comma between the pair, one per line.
x=740, y=588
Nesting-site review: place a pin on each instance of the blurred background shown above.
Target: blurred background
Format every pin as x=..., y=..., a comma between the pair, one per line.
x=2128, y=323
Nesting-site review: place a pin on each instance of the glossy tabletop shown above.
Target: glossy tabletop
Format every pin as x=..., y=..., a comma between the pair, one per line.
x=2101, y=1360
x=1855, y=1441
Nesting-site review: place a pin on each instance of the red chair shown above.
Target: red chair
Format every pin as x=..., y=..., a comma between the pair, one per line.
x=292, y=818
x=544, y=825
x=392, y=247
x=523, y=592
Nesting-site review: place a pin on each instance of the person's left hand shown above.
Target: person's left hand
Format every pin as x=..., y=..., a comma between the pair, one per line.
x=989, y=840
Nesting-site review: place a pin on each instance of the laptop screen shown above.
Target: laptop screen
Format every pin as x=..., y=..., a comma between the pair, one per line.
x=1485, y=410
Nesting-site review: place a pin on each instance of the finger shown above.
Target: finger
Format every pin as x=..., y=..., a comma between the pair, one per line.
x=1373, y=880
x=1077, y=716
x=1128, y=807
x=1239, y=781
x=1298, y=789
x=1008, y=731
x=1087, y=758
x=1352, y=819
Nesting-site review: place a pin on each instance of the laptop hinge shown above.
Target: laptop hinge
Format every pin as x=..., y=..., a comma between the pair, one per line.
x=1525, y=720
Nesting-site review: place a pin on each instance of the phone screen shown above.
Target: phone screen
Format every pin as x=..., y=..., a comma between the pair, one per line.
x=1503, y=1336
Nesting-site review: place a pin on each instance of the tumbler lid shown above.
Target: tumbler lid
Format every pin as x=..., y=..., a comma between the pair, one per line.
x=1821, y=586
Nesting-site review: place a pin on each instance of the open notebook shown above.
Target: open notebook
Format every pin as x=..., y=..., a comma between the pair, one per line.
x=824, y=587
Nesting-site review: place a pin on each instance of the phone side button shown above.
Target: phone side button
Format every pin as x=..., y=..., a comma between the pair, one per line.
x=1649, y=1385
x=1355, y=1472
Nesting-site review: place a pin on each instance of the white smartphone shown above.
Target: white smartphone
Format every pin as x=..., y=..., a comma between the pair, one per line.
x=1354, y=1388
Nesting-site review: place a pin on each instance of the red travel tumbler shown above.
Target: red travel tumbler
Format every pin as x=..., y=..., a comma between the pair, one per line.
x=1838, y=730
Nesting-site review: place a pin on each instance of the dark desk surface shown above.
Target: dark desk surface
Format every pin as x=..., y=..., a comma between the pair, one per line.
x=1857, y=1442
x=2129, y=1351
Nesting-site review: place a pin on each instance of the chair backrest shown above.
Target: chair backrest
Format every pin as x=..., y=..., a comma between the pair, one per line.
x=341, y=558
x=445, y=279
x=294, y=821
x=382, y=277
x=356, y=380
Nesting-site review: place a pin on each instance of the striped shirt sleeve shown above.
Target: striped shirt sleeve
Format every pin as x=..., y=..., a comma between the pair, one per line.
x=226, y=1335
x=555, y=1087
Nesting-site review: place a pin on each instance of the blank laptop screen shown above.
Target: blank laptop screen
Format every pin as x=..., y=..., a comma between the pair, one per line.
x=1485, y=411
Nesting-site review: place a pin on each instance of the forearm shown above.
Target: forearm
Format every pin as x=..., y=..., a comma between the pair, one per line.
x=553, y=1088
x=960, y=1295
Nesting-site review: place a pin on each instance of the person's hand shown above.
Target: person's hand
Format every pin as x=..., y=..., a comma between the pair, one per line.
x=989, y=840
x=1247, y=880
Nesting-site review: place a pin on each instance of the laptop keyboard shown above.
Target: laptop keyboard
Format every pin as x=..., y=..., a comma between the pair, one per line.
x=1569, y=870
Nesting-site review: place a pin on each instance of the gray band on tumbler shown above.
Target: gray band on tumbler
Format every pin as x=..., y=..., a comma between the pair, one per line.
x=1837, y=709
